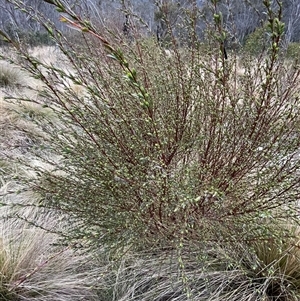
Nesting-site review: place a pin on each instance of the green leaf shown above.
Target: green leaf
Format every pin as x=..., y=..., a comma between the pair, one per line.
x=112, y=56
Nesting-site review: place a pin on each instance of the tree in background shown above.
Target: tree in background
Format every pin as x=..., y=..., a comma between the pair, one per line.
x=240, y=17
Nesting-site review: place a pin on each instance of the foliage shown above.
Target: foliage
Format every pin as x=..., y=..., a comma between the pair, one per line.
x=293, y=51
x=150, y=151
x=36, y=38
x=256, y=43
x=27, y=36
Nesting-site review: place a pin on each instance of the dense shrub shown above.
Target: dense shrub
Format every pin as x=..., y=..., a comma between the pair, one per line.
x=36, y=38
x=150, y=151
x=29, y=37
x=293, y=51
x=256, y=43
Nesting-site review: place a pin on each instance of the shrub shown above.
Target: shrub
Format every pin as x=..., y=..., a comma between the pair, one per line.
x=293, y=51
x=29, y=37
x=151, y=150
x=37, y=38
x=255, y=43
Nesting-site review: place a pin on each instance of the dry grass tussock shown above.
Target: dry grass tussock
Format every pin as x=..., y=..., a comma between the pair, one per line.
x=263, y=271
x=32, y=267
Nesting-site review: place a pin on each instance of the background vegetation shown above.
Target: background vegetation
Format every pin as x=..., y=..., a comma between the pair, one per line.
x=241, y=18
